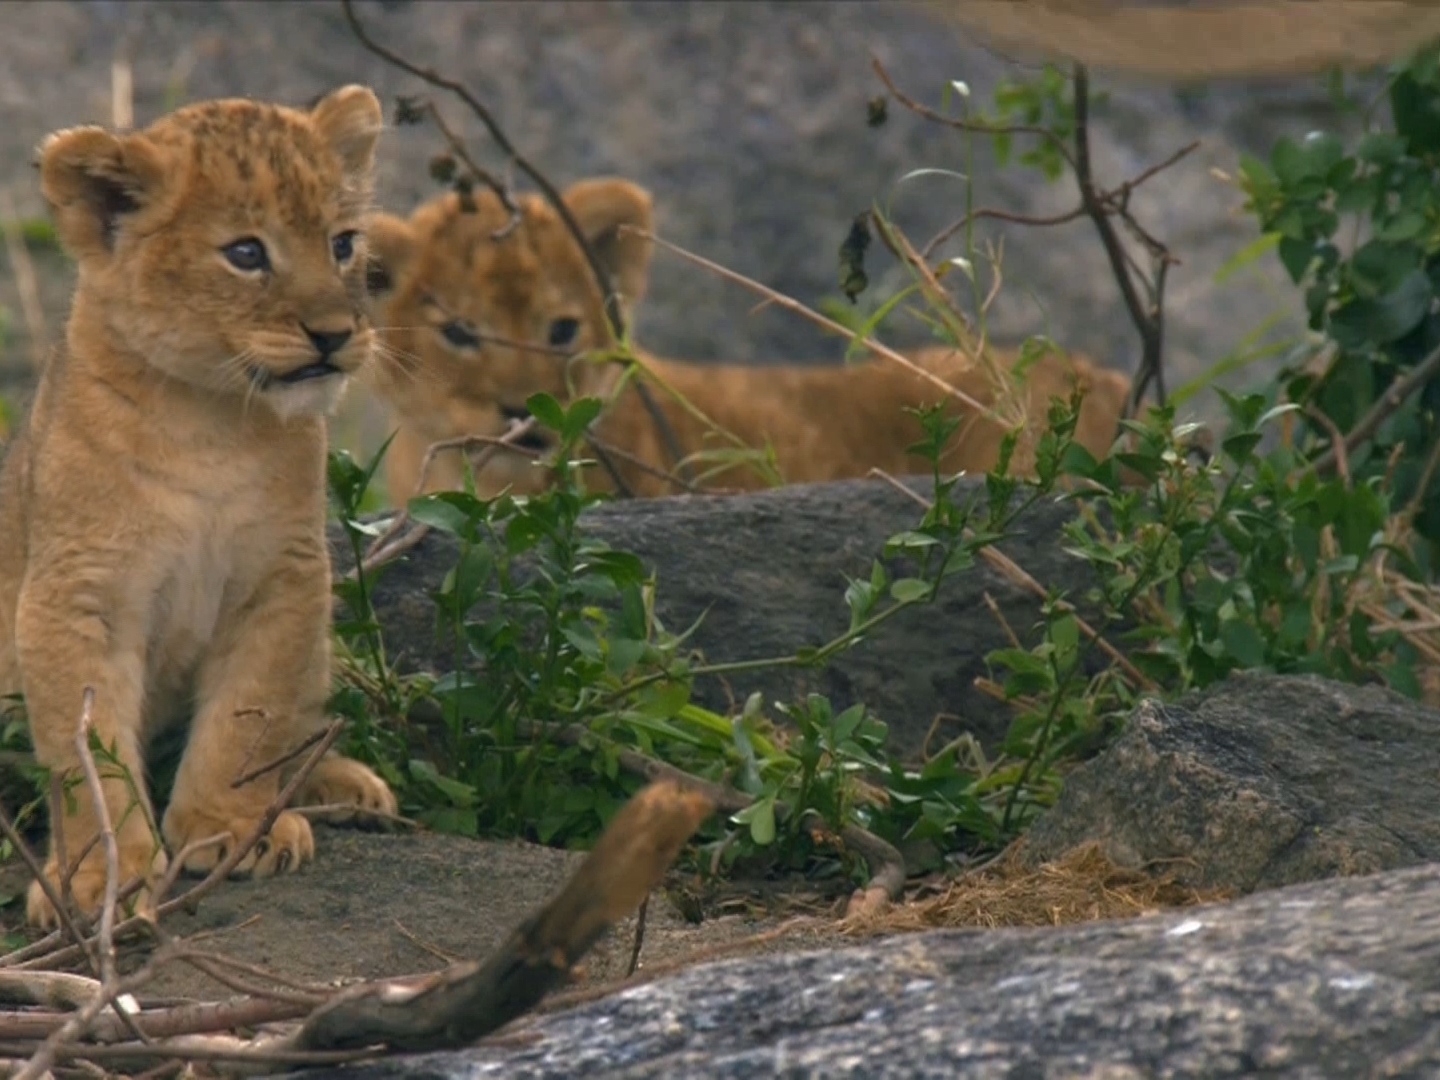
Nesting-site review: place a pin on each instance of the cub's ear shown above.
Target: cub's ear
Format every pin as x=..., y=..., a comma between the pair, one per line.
x=600, y=207
x=392, y=243
x=93, y=179
x=349, y=120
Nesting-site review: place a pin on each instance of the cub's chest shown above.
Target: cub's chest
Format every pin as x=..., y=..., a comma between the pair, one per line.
x=209, y=564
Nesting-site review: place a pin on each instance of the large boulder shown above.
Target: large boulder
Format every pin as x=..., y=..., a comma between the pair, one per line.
x=1262, y=781
x=766, y=574
x=1340, y=978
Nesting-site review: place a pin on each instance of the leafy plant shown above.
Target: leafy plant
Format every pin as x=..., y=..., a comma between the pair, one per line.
x=1359, y=228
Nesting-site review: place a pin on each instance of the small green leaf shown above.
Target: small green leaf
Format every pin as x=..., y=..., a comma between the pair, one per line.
x=1243, y=642
x=547, y=410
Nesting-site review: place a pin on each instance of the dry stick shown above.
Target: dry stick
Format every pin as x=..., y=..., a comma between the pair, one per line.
x=614, y=314
x=458, y=1005
x=1017, y=574
x=820, y=320
x=1337, y=441
x=73, y=1028
x=503, y=192
x=37, y=871
x=1390, y=401
x=385, y=546
x=1149, y=324
x=651, y=470
x=25, y=279
x=639, y=943
x=211, y=881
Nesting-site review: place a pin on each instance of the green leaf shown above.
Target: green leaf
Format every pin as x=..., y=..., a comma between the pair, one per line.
x=910, y=590
x=760, y=816
x=452, y=512
x=1243, y=642
x=582, y=413
x=1386, y=319
x=547, y=410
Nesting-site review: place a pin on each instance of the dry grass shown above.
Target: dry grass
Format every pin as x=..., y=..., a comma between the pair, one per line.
x=1082, y=886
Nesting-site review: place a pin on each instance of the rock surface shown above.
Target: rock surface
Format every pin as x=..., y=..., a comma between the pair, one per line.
x=1260, y=782
x=746, y=120
x=768, y=572
x=1336, y=979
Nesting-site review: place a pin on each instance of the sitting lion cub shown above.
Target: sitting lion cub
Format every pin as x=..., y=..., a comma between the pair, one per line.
x=162, y=511
x=472, y=326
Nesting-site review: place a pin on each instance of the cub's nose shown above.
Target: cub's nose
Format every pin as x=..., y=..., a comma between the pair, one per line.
x=326, y=342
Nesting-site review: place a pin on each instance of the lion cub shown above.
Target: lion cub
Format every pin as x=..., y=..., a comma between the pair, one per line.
x=472, y=325
x=162, y=511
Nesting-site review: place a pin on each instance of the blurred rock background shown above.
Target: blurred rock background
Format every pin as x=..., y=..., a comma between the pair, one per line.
x=746, y=120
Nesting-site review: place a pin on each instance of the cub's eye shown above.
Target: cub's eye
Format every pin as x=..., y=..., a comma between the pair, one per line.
x=247, y=254
x=563, y=331
x=343, y=246
x=460, y=335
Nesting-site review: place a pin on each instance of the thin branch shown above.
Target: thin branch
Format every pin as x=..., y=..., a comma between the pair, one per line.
x=1147, y=323
x=1018, y=575
x=814, y=316
x=614, y=312
x=1398, y=393
x=980, y=127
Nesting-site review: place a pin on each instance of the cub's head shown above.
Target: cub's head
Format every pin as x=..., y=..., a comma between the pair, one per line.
x=223, y=244
x=473, y=325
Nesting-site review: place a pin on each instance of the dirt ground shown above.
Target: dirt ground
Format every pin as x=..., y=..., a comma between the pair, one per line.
x=373, y=905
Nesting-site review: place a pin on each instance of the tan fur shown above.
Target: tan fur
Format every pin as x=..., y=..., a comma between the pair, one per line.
x=162, y=511
x=825, y=422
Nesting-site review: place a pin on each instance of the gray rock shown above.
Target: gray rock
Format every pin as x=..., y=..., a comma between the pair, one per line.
x=748, y=123
x=1262, y=781
x=1337, y=979
x=768, y=571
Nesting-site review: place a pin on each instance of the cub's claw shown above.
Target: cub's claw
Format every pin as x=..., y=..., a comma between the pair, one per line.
x=287, y=846
x=344, y=783
x=87, y=885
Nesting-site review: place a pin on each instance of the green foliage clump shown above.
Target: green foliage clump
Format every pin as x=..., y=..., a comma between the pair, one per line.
x=1359, y=228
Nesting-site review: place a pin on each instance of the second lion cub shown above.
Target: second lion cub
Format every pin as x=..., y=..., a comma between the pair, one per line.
x=162, y=511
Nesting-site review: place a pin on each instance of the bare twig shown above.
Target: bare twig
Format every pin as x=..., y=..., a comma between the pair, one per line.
x=1398, y=393
x=1017, y=574
x=73, y=1028
x=639, y=942
x=37, y=871
x=191, y=897
x=1337, y=441
x=798, y=308
x=1148, y=322
x=614, y=311
x=981, y=127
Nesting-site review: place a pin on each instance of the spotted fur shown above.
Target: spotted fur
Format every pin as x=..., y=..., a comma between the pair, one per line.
x=444, y=268
x=162, y=510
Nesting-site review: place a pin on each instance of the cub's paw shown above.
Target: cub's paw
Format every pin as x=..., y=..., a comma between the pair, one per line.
x=352, y=791
x=87, y=886
x=287, y=846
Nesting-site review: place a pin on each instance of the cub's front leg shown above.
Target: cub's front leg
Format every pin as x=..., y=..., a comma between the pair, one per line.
x=261, y=692
x=71, y=631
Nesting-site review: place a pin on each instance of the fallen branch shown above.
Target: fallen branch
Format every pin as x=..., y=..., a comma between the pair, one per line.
x=459, y=1005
